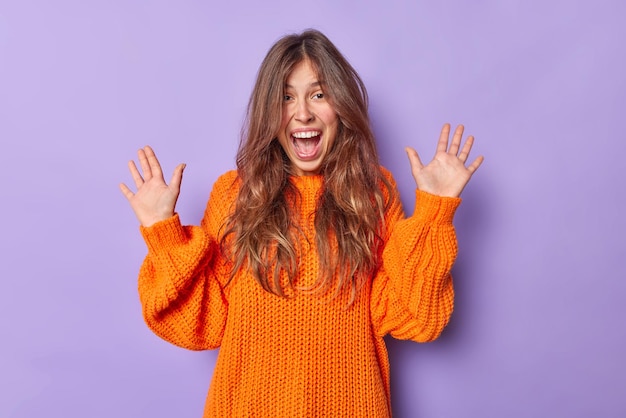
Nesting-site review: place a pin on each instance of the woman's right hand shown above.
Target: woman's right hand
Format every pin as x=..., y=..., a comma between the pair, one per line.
x=154, y=200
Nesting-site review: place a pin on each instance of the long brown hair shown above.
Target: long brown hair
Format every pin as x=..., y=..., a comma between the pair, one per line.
x=349, y=219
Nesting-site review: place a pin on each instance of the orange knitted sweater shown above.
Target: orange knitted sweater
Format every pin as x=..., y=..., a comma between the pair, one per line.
x=305, y=355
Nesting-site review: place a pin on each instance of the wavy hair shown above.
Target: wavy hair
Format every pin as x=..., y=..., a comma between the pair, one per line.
x=349, y=219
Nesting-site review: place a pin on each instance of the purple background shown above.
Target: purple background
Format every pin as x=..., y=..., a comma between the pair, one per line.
x=539, y=324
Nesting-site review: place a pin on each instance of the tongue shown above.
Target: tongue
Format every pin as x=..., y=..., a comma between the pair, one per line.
x=305, y=147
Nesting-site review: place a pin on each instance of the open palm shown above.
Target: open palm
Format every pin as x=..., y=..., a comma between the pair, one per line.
x=154, y=200
x=446, y=174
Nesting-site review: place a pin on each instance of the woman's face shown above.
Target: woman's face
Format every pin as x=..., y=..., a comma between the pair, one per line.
x=309, y=122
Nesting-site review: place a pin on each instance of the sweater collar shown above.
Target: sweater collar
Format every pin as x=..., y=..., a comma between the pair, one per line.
x=307, y=182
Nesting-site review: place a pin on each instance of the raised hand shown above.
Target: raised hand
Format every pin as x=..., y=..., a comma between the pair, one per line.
x=154, y=200
x=446, y=174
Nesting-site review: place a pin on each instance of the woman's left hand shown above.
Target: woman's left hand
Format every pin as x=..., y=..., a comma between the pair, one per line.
x=446, y=174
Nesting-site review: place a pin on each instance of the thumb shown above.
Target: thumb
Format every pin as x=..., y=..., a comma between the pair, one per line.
x=177, y=176
x=414, y=159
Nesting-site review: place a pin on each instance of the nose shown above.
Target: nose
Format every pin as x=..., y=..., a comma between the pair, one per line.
x=303, y=112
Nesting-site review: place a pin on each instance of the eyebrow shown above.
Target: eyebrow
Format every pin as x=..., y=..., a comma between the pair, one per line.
x=313, y=84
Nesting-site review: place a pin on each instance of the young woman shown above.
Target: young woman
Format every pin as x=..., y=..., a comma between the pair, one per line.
x=304, y=260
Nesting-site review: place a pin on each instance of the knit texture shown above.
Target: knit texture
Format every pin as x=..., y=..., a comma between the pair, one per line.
x=305, y=355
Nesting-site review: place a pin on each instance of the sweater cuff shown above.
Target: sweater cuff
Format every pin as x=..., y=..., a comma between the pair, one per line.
x=435, y=209
x=165, y=233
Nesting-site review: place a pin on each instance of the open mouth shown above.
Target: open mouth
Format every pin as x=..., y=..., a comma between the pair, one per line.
x=306, y=144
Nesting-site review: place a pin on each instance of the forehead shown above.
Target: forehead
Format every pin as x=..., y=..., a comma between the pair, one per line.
x=303, y=74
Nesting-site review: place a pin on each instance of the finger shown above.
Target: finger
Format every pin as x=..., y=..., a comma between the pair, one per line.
x=126, y=191
x=145, y=165
x=475, y=164
x=456, y=140
x=467, y=147
x=155, y=166
x=442, y=144
x=414, y=159
x=135, y=173
x=177, y=177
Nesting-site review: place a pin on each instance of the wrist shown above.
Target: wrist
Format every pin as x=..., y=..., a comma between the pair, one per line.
x=148, y=221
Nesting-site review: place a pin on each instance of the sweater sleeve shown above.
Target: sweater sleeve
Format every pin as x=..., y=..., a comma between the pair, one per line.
x=181, y=279
x=412, y=294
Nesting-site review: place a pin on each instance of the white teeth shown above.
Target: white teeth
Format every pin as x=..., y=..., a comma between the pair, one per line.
x=306, y=134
